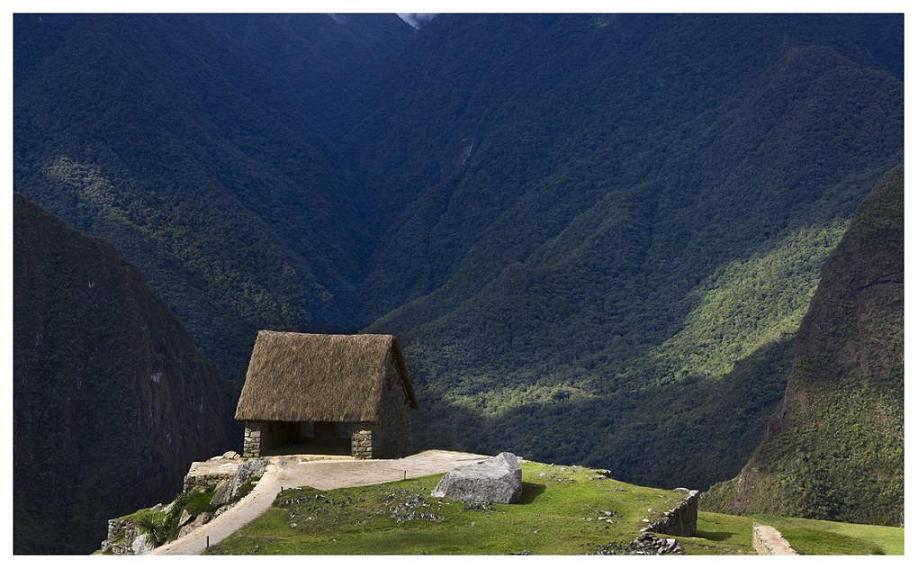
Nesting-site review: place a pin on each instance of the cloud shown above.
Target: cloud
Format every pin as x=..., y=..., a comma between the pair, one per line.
x=417, y=20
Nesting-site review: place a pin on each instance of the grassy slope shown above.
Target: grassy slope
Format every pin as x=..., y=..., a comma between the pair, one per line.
x=822, y=537
x=558, y=515
x=725, y=533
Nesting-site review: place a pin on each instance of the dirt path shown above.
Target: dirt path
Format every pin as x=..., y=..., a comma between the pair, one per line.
x=768, y=541
x=293, y=471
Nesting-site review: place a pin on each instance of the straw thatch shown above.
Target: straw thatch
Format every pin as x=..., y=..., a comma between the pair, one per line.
x=318, y=377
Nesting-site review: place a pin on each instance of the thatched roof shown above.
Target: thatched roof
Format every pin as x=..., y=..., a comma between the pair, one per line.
x=318, y=377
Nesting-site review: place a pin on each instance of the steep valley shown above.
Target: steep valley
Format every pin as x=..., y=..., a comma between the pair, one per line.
x=596, y=236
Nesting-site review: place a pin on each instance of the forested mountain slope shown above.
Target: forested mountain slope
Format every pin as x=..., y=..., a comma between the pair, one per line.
x=112, y=400
x=209, y=150
x=836, y=449
x=595, y=235
x=617, y=215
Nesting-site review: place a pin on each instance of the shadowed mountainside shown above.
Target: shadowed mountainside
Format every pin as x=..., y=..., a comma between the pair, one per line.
x=835, y=450
x=112, y=401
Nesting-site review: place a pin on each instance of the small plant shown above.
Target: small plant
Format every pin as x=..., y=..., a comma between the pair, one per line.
x=155, y=524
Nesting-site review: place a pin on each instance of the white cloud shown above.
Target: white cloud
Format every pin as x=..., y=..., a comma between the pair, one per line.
x=417, y=20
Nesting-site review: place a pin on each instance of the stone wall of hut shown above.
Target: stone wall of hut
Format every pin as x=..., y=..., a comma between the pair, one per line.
x=251, y=441
x=392, y=433
x=262, y=436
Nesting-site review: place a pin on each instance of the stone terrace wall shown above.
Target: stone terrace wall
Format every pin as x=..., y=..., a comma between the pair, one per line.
x=681, y=520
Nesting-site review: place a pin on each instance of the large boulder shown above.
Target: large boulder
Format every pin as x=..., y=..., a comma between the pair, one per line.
x=497, y=480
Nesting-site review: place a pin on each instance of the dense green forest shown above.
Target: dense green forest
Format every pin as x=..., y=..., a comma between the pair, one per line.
x=836, y=449
x=595, y=235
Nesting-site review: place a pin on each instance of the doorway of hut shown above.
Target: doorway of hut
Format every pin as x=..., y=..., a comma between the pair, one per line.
x=309, y=437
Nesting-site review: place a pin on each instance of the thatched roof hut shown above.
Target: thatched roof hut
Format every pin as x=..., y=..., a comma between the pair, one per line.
x=320, y=377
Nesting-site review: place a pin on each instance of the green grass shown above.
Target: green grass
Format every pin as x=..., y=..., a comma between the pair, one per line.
x=720, y=534
x=727, y=534
x=164, y=525
x=558, y=515
x=819, y=537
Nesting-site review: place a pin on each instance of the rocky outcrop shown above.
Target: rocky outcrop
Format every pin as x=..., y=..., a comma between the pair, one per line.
x=211, y=472
x=193, y=524
x=228, y=490
x=681, y=520
x=497, y=480
x=143, y=544
x=227, y=476
x=121, y=535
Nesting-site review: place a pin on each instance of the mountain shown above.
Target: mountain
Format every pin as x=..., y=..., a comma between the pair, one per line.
x=835, y=449
x=607, y=220
x=595, y=235
x=212, y=150
x=111, y=398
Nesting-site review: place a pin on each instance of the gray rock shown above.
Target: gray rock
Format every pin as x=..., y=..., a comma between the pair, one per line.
x=222, y=493
x=194, y=524
x=231, y=454
x=250, y=468
x=184, y=518
x=228, y=490
x=143, y=544
x=496, y=480
x=121, y=533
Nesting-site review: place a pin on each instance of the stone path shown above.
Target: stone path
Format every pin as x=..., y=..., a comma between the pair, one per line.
x=768, y=541
x=295, y=471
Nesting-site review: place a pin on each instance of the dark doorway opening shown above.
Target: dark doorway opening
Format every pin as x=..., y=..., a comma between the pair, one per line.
x=325, y=438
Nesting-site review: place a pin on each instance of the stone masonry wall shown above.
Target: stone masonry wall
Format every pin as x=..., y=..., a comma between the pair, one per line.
x=681, y=520
x=392, y=439
x=251, y=442
x=362, y=440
